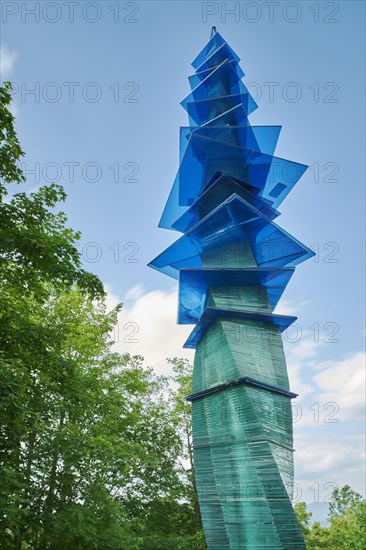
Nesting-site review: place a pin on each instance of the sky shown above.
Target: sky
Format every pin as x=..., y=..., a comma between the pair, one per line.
x=97, y=87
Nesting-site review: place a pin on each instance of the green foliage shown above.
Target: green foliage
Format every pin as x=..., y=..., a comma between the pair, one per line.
x=318, y=538
x=303, y=517
x=347, y=523
x=82, y=430
x=342, y=499
x=10, y=150
x=172, y=520
x=91, y=442
x=181, y=415
x=36, y=247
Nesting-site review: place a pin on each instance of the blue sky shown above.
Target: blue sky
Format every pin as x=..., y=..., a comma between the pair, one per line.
x=104, y=121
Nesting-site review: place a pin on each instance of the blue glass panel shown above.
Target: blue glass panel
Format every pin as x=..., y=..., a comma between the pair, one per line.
x=222, y=81
x=211, y=314
x=217, y=192
x=172, y=209
x=196, y=78
x=184, y=135
x=233, y=117
x=262, y=139
x=173, y=259
x=258, y=138
x=200, y=112
x=235, y=221
x=194, y=283
x=217, y=57
x=261, y=200
x=212, y=45
x=280, y=173
x=204, y=155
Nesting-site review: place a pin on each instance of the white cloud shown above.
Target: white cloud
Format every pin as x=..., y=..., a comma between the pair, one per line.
x=344, y=383
x=303, y=350
x=147, y=326
x=7, y=61
x=325, y=381
x=316, y=458
x=134, y=293
x=322, y=464
x=112, y=299
x=341, y=382
x=298, y=356
x=287, y=307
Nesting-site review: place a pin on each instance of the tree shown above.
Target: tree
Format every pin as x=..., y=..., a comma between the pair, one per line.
x=89, y=438
x=35, y=245
x=182, y=413
x=347, y=518
x=318, y=538
x=342, y=499
x=84, y=435
x=347, y=523
x=37, y=253
x=303, y=517
x=173, y=520
x=10, y=150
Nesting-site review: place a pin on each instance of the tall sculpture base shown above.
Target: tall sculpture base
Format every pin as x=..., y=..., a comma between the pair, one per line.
x=242, y=439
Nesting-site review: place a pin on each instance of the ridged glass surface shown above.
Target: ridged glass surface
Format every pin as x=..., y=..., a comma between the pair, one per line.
x=195, y=283
x=233, y=263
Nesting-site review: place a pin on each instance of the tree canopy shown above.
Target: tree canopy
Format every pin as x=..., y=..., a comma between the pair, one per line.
x=346, y=529
x=89, y=444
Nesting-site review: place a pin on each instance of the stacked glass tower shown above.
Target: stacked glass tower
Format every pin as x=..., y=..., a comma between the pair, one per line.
x=233, y=263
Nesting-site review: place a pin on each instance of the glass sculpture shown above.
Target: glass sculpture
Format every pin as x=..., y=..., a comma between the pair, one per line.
x=233, y=262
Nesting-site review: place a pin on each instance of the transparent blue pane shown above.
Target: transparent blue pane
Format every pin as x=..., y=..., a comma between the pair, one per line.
x=201, y=112
x=264, y=172
x=221, y=81
x=204, y=156
x=262, y=139
x=194, y=284
x=217, y=57
x=211, y=314
x=235, y=221
x=196, y=78
x=215, y=42
x=221, y=188
x=236, y=116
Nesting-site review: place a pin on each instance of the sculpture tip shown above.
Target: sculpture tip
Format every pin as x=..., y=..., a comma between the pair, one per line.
x=213, y=31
